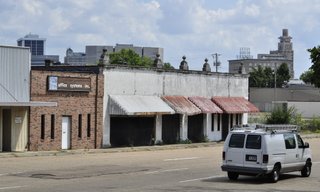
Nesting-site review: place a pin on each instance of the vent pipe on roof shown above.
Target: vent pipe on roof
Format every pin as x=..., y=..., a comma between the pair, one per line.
x=206, y=66
x=184, y=64
x=157, y=62
x=104, y=58
x=48, y=62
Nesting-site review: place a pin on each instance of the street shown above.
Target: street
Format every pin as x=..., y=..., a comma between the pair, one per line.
x=192, y=169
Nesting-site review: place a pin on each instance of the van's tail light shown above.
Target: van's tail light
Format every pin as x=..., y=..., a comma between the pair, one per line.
x=223, y=155
x=265, y=158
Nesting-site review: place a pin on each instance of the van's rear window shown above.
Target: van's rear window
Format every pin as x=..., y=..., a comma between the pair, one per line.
x=237, y=140
x=253, y=142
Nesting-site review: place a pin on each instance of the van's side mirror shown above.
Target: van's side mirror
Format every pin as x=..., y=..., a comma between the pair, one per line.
x=306, y=145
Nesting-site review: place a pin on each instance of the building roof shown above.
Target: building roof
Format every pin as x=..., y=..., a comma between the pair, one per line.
x=205, y=104
x=233, y=105
x=138, y=105
x=29, y=104
x=181, y=105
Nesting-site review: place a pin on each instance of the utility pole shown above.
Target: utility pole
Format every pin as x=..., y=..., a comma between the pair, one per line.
x=275, y=81
x=216, y=62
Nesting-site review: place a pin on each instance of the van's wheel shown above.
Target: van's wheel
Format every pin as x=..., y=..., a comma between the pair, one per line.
x=275, y=174
x=306, y=171
x=233, y=176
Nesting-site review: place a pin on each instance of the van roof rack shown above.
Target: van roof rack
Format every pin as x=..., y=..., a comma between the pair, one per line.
x=267, y=127
x=278, y=127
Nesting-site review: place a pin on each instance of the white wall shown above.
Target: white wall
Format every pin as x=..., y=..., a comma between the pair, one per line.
x=130, y=81
x=133, y=81
x=14, y=74
x=307, y=109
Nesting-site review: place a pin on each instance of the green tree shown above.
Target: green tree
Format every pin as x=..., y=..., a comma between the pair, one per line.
x=315, y=67
x=307, y=76
x=269, y=77
x=257, y=77
x=283, y=74
x=167, y=66
x=282, y=115
x=129, y=57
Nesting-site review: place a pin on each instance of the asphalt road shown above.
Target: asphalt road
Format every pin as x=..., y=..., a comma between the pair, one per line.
x=192, y=169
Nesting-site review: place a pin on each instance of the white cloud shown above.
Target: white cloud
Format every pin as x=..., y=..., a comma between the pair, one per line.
x=252, y=10
x=59, y=22
x=195, y=28
x=33, y=7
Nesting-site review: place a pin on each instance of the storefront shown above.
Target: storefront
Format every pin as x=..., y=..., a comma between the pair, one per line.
x=15, y=98
x=76, y=121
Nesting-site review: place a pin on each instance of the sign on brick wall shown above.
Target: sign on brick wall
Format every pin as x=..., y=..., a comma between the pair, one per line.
x=56, y=83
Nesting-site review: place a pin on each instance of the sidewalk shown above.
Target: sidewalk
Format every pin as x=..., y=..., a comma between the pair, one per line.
x=122, y=149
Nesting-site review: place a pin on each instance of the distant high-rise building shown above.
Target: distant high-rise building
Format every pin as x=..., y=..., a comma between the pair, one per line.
x=75, y=58
x=37, y=48
x=93, y=52
x=274, y=59
x=36, y=44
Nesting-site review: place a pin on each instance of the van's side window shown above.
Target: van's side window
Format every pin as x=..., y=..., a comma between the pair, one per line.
x=253, y=142
x=300, y=141
x=237, y=140
x=289, y=141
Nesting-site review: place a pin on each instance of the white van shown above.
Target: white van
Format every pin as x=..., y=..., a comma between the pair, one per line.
x=265, y=150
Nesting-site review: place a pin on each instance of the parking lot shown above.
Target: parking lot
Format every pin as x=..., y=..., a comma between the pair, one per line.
x=184, y=169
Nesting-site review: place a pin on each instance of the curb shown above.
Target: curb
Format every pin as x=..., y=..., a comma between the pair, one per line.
x=122, y=149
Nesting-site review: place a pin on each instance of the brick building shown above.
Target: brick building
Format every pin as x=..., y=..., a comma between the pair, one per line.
x=76, y=121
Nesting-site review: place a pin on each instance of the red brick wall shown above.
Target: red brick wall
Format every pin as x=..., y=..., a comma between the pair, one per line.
x=69, y=104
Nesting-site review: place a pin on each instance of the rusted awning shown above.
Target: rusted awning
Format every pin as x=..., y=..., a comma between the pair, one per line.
x=181, y=105
x=234, y=105
x=138, y=105
x=206, y=105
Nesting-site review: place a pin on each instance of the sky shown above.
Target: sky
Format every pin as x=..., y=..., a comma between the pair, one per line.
x=194, y=28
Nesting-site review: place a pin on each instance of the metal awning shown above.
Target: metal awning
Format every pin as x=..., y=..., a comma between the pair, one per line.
x=181, y=105
x=206, y=105
x=137, y=105
x=29, y=104
x=234, y=105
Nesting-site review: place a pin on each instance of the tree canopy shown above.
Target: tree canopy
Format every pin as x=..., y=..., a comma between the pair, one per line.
x=315, y=67
x=265, y=77
x=307, y=76
x=129, y=57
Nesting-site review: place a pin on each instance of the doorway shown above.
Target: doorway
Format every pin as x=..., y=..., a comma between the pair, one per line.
x=65, y=137
x=225, y=126
x=6, y=130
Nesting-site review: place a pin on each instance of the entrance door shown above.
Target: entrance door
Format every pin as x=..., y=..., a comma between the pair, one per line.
x=225, y=126
x=6, y=130
x=65, y=140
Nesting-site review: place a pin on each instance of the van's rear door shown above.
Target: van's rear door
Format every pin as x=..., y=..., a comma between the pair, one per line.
x=253, y=153
x=235, y=150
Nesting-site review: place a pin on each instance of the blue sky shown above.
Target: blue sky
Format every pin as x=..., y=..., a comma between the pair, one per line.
x=195, y=28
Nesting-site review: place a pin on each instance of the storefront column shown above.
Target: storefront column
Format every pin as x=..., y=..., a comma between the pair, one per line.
x=158, y=129
x=244, y=119
x=183, y=127
x=106, y=132
x=207, y=124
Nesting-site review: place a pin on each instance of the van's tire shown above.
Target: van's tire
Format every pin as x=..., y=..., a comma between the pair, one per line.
x=233, y=176
x=275, y=174
x=306, y=171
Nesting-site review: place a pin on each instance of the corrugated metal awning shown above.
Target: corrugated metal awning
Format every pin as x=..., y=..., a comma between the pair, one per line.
x=138, y=105
x=181, y=105
x=206, y=105
x=233, y=105
x=29, y=104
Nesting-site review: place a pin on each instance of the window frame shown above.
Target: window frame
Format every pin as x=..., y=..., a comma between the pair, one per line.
x=235, y=140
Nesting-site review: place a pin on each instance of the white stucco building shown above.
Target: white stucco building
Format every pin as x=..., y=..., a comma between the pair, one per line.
x=144, y=106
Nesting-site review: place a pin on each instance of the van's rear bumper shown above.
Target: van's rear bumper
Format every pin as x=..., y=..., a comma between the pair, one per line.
x=245, y=170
